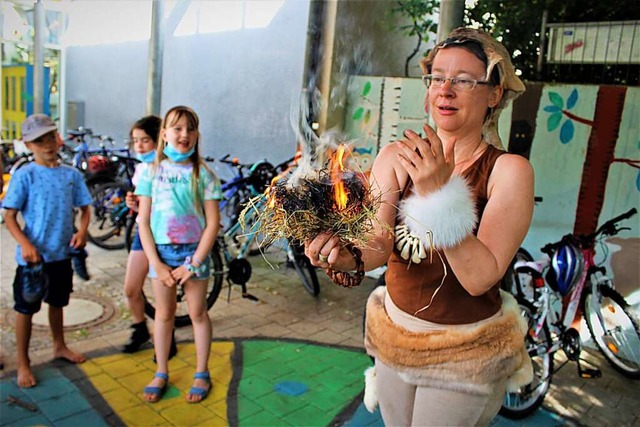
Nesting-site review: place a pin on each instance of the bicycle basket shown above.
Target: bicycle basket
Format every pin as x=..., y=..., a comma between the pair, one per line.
x=566, y=268
x=260, y=176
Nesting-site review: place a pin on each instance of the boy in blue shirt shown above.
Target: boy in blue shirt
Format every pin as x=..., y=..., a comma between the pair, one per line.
x=45, y=193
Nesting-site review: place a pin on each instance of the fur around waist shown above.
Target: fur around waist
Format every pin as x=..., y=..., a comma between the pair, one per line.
x=467, y=358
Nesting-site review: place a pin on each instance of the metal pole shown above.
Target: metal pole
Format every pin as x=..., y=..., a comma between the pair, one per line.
x=154, y=63
x=543, y=43
x=451, y=17
x=38, y=56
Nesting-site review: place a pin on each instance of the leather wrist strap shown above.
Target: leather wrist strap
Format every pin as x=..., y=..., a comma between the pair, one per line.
x=343, y=278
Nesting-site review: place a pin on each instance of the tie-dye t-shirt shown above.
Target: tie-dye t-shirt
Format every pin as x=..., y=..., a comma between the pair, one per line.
x=175, y=218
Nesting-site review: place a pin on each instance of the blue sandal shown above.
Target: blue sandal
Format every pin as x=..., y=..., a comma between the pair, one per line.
x=157, y=391
x=198, y=391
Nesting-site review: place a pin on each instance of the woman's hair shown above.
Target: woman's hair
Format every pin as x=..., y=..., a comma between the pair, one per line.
x=170, y=118
x=499, y=70
x=150, y=125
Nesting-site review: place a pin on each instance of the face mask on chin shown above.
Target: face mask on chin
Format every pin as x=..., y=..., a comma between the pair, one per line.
x=147, y=157
x=175, y=155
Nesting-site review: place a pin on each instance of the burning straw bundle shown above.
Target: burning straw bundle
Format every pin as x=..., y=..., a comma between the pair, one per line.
x=311, y=201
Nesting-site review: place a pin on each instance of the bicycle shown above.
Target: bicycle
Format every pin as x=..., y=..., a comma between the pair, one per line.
x=549, y=300
x=98, y=165
x=110, y=214
x=233, y=245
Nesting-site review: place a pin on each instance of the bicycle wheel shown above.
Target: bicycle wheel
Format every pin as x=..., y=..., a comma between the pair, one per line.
x=303, y=267
x=614, y=328
x=511, y=282
x=108, y=215
x=529, y=397
x=214, y=285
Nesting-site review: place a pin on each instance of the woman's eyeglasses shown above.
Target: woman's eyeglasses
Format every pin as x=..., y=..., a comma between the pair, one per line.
x=459, y=83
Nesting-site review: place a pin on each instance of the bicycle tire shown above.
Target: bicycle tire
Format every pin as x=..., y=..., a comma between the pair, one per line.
x=214, y=285
x=528, y=398
x=614, y=328
x=304, y=269
x=108, y=215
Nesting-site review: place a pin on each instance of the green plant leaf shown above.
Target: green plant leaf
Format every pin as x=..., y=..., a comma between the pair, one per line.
x=366, y=89
x=357, y=115
x=556, y=100
x=553, y=121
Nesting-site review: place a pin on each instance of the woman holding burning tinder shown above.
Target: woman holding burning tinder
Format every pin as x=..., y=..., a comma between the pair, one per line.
x=454, y=209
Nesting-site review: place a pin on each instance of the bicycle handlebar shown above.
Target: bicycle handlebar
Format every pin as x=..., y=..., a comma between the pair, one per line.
x=609, y=228
x=611, y=224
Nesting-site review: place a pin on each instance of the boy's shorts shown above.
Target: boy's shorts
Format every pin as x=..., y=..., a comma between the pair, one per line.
x=175, y=255
x=57, y=295
x=136, y=244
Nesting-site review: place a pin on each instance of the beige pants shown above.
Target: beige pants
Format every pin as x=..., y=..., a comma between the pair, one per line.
x=404, y=404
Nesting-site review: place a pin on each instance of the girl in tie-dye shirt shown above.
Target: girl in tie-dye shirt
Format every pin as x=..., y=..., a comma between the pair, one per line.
x=178, y=221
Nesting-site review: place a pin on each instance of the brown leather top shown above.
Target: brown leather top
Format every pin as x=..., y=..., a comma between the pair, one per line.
x=411, y=286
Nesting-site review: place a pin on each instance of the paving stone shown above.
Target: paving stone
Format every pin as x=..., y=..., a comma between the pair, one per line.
x=143, y=416
x=86, y=418
x=63, y=406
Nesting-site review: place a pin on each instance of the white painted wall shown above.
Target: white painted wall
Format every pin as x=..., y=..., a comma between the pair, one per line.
x=241, y=84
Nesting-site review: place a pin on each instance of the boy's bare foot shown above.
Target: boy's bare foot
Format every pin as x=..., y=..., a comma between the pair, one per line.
x=25, y=377
x=69, y=355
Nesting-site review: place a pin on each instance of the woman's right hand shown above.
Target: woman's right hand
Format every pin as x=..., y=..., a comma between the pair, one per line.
x=326, y=251
x=426, y=160
x=132, y=201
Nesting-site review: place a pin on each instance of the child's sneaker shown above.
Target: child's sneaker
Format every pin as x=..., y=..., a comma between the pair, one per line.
x=79, y=262
x=34, y=282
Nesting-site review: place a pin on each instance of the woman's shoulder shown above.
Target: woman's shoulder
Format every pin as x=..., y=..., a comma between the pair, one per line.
x=510, y=162
x=512, y=170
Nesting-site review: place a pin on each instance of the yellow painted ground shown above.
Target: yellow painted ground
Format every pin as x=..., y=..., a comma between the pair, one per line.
x=120, y=378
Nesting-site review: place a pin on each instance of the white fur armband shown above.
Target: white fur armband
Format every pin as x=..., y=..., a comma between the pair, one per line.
x=445, y=216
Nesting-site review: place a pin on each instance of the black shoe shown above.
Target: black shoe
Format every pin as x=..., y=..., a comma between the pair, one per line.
x=139, y=336
x=79, y=261
x=173, y=350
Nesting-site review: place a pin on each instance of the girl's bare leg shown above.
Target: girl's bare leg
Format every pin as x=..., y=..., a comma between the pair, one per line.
x=196, y=293
x=165, y=302
x=137, y=268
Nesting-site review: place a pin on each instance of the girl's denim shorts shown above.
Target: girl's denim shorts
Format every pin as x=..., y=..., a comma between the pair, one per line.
x=174, y=255
x=136, y=244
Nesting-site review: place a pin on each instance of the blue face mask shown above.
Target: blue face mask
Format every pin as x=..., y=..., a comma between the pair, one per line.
x=176, y=156
x=147, y=157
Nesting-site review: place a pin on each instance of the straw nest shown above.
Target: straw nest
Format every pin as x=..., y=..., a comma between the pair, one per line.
x=309, y=208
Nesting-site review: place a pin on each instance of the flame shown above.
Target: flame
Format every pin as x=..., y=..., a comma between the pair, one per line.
x=337, y=169
x=271, y=200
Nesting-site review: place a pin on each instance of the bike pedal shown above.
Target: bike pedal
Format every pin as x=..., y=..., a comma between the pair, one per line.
x=590, y=374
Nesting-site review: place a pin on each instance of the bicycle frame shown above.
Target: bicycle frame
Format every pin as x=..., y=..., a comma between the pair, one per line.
x=569, y=309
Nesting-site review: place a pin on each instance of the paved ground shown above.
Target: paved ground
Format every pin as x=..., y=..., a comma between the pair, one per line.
x=289, y=359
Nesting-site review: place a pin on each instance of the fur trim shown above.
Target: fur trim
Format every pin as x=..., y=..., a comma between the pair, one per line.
x=370, y=398
x=449, y=214
x=470, y=359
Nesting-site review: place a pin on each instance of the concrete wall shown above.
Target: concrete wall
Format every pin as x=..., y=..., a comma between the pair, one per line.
x=241, y=84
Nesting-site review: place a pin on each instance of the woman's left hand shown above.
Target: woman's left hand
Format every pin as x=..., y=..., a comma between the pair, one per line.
x=425, y=160
x=181, y=274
